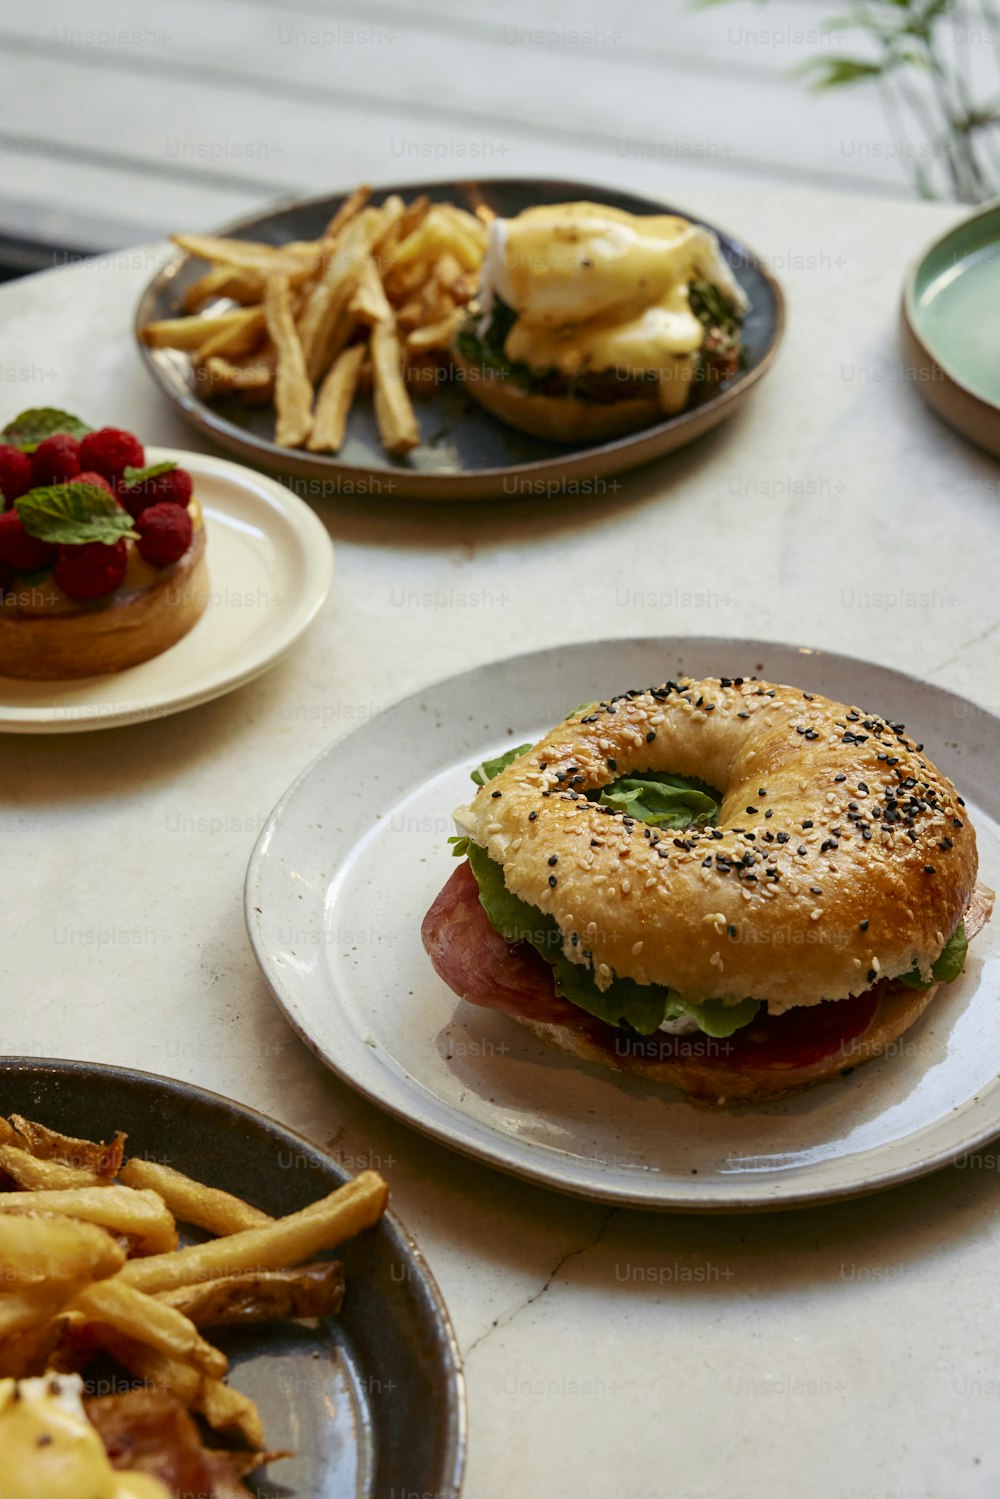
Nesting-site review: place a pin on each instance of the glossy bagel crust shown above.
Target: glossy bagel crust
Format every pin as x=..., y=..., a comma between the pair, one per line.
x=842, y=856
x=559, y=418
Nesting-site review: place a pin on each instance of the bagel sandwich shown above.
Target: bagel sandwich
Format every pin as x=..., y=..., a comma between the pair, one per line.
x=727, y=885
x=592, y=322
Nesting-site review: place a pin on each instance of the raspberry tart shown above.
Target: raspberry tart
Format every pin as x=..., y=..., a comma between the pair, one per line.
x=102, y=559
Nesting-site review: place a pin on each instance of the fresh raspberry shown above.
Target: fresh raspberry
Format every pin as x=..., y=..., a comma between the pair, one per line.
x=97, y=479
x=56, y=460
x=24, y=553
x=111, y=451
x=92, y=569
x=172, y=488
x=165, y=533
x=15, y=473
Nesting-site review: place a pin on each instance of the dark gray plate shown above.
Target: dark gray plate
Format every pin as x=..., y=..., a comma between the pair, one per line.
x=466, y=454
x=373, y=1401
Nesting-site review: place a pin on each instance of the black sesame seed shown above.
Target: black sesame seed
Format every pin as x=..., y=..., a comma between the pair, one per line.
x=611, y=764
x=495, y=794
x=553, y=859
x=553, y=881
x=807, y=823
x=929, y=869
x=863, y=925
x=532, y=816
x=840, y=777
x=650, y=736
x=731, y=930
x=802, y=848
x=872, y=975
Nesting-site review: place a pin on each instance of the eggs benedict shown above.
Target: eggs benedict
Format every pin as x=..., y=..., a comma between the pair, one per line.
x=51, y=1451
x=592, y=322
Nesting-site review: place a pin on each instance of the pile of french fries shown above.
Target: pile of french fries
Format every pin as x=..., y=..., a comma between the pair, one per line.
x=372, y=305
x=90, y=1265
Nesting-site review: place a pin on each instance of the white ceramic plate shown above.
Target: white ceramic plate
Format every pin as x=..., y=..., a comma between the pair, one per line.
x=356, y=851
x=270, y=565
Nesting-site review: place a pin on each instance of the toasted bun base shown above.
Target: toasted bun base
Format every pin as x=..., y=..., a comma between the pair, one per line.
x=718, y=1081
x=108, y=637
x=558, y=418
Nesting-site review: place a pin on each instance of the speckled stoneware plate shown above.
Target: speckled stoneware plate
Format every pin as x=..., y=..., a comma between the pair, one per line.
x=355, y=852
x=465, y=453
x=951, y=327
x=270, y=566
x=372, y=1402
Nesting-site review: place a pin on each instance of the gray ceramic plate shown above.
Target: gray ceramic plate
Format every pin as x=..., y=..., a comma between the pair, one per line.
x=355, y=852
x=372, y=1401
x=951, y=327
x=465, y=454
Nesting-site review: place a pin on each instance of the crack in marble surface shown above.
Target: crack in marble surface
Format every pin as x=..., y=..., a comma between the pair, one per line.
x=967, y=645
x=506, y=1318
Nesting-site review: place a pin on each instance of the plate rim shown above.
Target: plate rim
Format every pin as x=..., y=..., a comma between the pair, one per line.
x=454, y=1458
x=618, y=1195
x=337, y=472
x=317, y=548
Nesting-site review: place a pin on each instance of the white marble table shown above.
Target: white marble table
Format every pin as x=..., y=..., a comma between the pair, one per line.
x=844, y=1353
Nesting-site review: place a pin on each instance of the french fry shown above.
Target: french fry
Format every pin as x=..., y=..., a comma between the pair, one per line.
x=252, y=376
x=309, y=1291
x=435, y=234
x=286, y=1241
x=229, y=1412
x=30, y=1351
x=51, y=1145
x=141, y=1216
x=219, y=282
x=393, y=210
x=240, y=338
x=413, y=215
x=325, y=325
x=293, y=392
x=348, y=210
x=23, y=1310
x=191, y=333
x=36, y=1249
x=436, y=337
x=33, y=1174
x=333, y=403
x=191, y=1201
x=370, y=304
x=248, y=255
x=144, y=1318
x=394, y=414
x=8, y=1134
x=171, y=1375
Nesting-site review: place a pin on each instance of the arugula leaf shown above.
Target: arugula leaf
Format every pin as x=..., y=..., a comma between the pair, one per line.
x=662, y=800
x=69, y=514
x=491, y=768
x=34, y=425
x=946, y=966
x=643, y=1007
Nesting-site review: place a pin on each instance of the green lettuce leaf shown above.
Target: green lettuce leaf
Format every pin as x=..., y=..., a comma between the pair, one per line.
x=491, y=768
x=642, y=1006
x=947, y=965
x=664, y=801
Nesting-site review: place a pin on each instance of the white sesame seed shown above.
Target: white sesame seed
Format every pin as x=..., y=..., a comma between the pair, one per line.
x=626, y=887
x=604, y=970
x=815, y=914
x=636, y=949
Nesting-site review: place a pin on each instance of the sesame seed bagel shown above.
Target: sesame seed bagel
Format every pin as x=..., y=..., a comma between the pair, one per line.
x=842, y=856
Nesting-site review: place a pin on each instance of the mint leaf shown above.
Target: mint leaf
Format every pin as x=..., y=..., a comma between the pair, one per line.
x=491, y=768
x=134, y=476
x=642, y=1006
x=33, y=426
x=74, y=513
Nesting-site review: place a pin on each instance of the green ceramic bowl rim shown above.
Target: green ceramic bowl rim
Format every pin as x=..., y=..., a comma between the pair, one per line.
x=910, y=311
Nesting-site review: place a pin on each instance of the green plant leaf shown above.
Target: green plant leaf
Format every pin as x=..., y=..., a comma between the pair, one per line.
x=38, y=422
x=491, y=768
x=133, y=476
x=834, y=72
x=72, y=514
